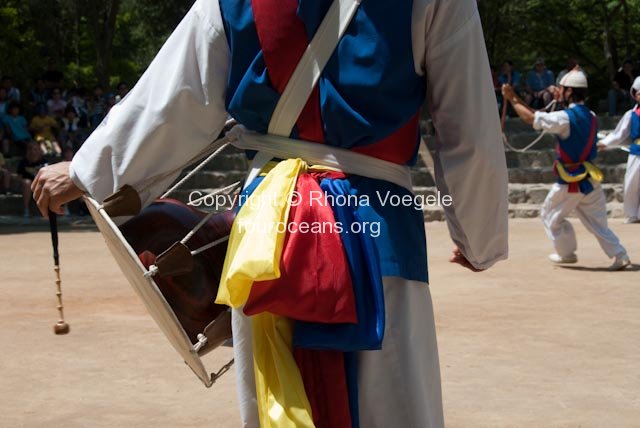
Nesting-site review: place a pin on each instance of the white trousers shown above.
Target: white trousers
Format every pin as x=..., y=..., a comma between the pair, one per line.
x=398, y=386
x=592, y=212
x=632, y=187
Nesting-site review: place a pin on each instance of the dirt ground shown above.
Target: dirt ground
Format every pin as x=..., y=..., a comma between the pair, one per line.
x=524, y=344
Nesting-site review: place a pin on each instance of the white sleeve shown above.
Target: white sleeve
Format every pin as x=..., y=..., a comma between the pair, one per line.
x=174, y=111
x=622, y=134
x=469, y=161
x=556, y=123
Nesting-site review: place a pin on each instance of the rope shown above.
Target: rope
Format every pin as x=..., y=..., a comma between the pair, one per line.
x=533, y=143
x=505, y=140
x=210, y=245
x=226, y=190
x=223, y=145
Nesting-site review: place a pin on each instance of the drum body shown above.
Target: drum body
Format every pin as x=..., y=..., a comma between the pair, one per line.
x=182, y=306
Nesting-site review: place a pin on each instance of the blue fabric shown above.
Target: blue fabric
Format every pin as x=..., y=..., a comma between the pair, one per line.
x=400, y=243
x=515, y=79
x=366, y=278
x=580, y=120
x=18, y=127
x=538, y=82
x=635, y=126
x=368, y=90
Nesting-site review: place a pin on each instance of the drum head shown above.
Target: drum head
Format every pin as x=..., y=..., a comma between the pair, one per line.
x=148, y=290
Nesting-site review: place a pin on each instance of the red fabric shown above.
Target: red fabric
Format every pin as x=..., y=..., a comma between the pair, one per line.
x=324, y=378
x=398, y=147
x=283, y=39
x=315, y=282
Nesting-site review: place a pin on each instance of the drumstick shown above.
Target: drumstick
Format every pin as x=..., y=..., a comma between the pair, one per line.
x=61, y=327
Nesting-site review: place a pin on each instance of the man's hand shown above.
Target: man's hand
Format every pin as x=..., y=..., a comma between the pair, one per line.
x=53, y=187
x=459, y=258
x=508, y=93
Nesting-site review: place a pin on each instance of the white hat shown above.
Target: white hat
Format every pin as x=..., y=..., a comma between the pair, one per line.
x=636, y=85
x=574, y=79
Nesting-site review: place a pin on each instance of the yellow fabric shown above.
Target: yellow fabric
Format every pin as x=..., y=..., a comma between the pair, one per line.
x=257, y=235
x=253, y=254
x=590, y=169
x=282, y=400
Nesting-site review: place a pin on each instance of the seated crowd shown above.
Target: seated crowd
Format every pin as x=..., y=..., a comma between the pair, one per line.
x=47, y=126
x=537, y=87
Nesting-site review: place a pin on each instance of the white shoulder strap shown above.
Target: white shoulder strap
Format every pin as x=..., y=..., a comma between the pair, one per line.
x=308, y=70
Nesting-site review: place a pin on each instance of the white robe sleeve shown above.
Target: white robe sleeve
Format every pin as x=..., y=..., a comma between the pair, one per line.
x=622, y=134
x=174, y=112
x=556, y=122
x=469, y=161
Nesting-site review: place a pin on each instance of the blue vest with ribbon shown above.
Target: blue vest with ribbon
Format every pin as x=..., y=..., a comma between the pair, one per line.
x=368, y=90
x=634, y=149
x=578, y=147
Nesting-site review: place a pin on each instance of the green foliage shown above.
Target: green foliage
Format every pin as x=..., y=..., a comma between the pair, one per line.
x=599, y=34
x=72, y=31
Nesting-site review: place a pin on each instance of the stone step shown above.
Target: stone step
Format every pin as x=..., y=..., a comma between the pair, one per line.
x=612, y=174
x=545, y=158
x=514, y=125
x=614, y=210
x=533, y=193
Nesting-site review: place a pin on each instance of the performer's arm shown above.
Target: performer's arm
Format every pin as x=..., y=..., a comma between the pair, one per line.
x=556, y=122
x=174, y=111
x=621, y=135
x=521, y=108
x=469, y=160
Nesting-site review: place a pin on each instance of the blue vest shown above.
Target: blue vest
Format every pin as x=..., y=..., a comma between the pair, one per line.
x=634, y=149
x=368, y=90
x=571, y=149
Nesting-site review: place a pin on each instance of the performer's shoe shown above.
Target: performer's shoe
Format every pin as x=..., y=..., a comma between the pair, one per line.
x=555, y=258
x=621, y=262
x=632, y=220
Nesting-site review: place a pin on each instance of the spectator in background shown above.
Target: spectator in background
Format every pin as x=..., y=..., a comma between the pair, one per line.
x=17, y=131
x=70, y=135
x=123, y=90
x=39, y=94
x=509, y=76
x=27, y=170
x=111, y=101
x=78, y=102
x=56, y=104
x=4, y=142
x=3, y=102
x=42, y=127
x=621, y=87
x=97, y=106
x=5, y=176
x=52, y=77
x=13, y=93
x=539, y=89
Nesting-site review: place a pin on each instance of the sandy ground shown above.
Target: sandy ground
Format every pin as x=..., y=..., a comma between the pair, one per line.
x=525, y=344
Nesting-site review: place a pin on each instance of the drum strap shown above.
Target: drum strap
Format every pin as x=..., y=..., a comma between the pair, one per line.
x=308, y=71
